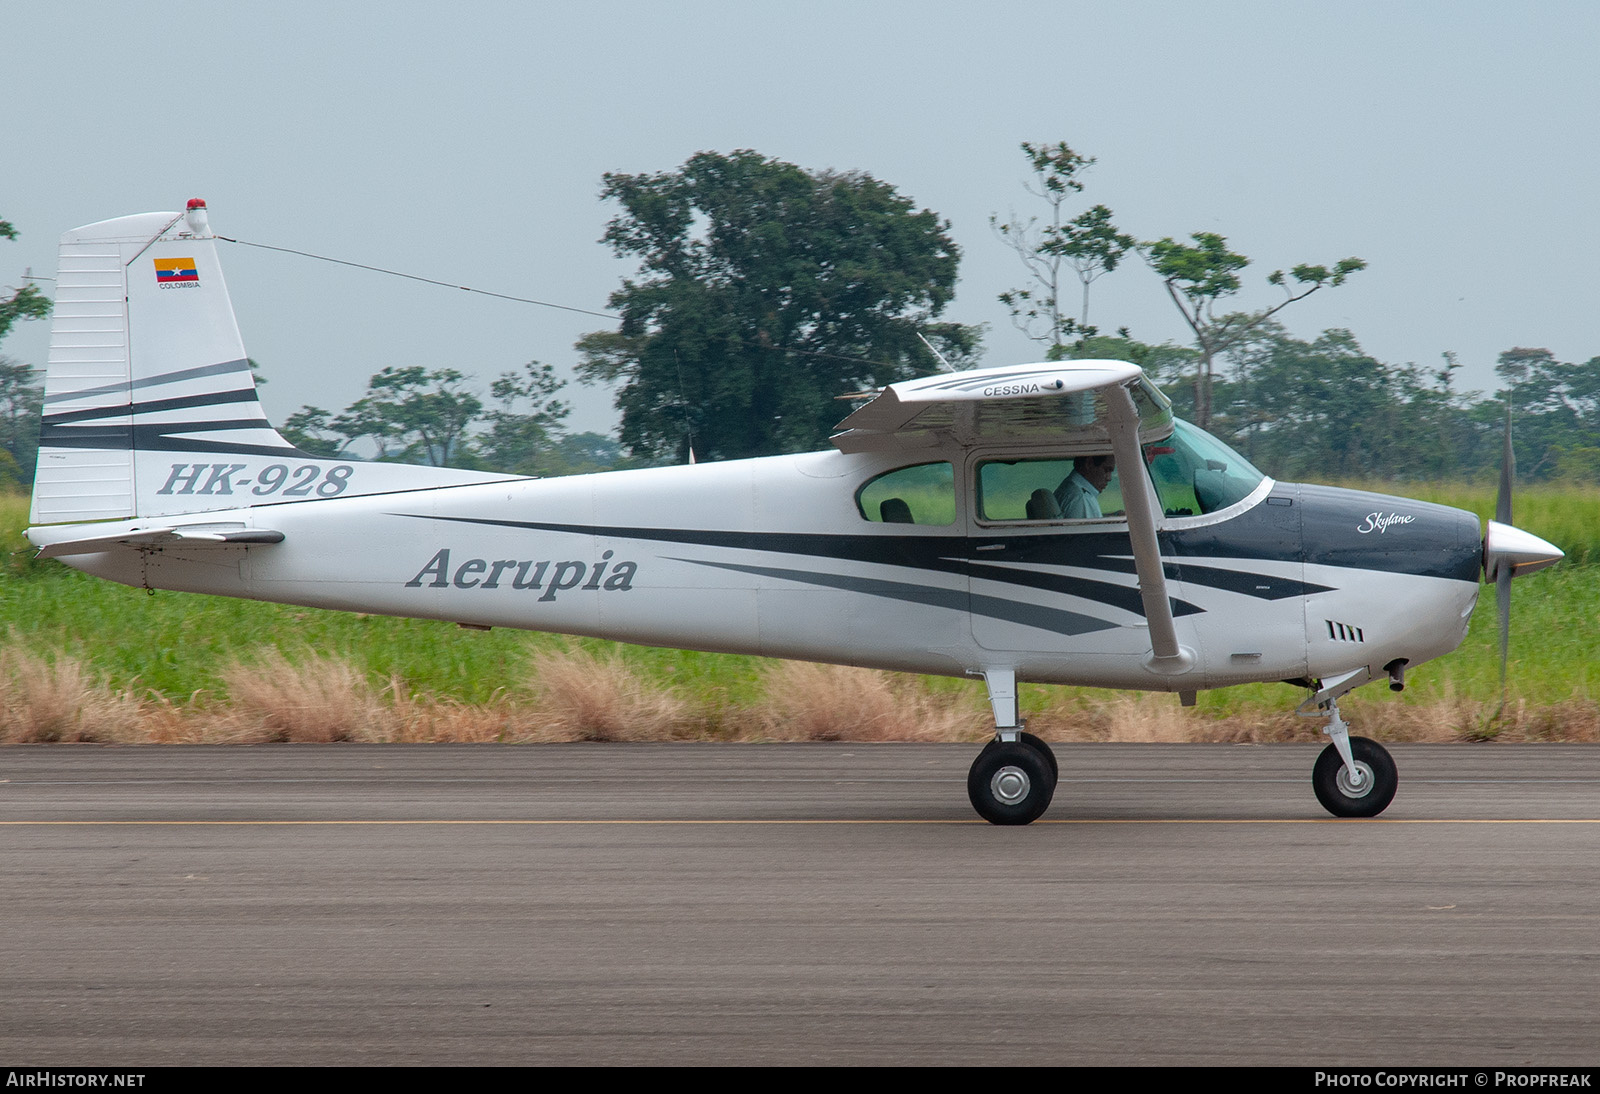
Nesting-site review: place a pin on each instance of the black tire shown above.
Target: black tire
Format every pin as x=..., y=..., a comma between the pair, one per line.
x=1049, y=757
x=1327, y=779
x=1010, y=783
x=1039, y=746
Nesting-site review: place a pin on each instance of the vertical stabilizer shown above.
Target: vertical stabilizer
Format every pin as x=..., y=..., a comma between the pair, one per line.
x=145, y=357
x=150, y=407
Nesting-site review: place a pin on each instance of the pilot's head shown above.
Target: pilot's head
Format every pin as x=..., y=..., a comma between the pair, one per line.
x=1097, y=469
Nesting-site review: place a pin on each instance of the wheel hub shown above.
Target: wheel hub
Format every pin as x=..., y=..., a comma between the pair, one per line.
x=1010, y=785
x=1357, y=783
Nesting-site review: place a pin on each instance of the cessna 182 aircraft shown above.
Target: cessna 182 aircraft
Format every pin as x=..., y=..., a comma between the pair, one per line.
x=930, y=539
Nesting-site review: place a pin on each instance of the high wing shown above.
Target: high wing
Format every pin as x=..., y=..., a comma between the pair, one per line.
x=1056, y=403
x=1087, y=406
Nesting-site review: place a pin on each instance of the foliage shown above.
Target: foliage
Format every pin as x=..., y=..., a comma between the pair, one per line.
x=1557, y=413
x=310, y=429
x=425, y=413
x=21, y=397
x=520, y=440
x=765, y=291
x=583, y=453
x=1162, y=361
x=1089, y=244
x=21, y=401
x=1327, y=408
x=420, y=415
x=1199, y=275
x=24, y=303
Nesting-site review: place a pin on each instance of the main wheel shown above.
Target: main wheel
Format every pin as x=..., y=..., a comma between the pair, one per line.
x=1366, y=795
x=1049, y=757
x=1043, y=749
x=1010, y=783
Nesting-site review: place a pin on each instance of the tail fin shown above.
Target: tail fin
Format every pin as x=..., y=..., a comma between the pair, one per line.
x=150, y=407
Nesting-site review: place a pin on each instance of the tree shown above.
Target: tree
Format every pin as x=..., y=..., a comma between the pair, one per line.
x=426, y=413
x=310, y=429
x=520, y=441
x=1327, y=408
x=21, y=401
x=1197, y=276
x=21, y=396
x=582, y=453
x=24, y=303
x=765, y=291
x=1089, y=244
x=414, y=414
x=1557, y=410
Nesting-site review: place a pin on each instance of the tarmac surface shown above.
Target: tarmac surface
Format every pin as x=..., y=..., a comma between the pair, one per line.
x=767, y=904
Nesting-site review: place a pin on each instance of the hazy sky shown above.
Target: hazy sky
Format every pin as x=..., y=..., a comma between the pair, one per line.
x=1450, y=144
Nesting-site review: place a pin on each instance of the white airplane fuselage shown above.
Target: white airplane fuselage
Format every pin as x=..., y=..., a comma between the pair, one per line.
x=771, y=557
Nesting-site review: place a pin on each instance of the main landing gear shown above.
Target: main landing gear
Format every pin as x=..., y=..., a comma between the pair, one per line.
x=1012, y=781
x=1014, y=777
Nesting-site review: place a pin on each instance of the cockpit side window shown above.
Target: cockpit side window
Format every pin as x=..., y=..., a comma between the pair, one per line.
x=922, y=494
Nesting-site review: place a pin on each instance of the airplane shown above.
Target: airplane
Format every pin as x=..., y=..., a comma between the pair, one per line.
x=930, y=538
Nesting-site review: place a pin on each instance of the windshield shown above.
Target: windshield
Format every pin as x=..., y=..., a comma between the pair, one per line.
x=1195, y=473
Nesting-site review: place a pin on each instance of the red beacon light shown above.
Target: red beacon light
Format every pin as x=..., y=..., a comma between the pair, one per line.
x=195, y=216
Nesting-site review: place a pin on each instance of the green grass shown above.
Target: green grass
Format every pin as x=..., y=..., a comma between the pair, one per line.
x=178, y=644
x=1567, y=516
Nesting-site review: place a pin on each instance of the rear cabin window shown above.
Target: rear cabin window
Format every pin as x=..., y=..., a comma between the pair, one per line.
x=924, y=494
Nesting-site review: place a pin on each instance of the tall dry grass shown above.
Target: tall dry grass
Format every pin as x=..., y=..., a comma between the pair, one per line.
x=56, y=698
x=814, y=702
x=315, y=698
x=573, y=694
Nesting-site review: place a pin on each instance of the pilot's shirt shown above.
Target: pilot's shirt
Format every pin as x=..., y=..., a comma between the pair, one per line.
x=1078, y=498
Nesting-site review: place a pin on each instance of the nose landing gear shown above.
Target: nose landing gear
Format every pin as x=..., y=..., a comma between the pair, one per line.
x=1353, y=776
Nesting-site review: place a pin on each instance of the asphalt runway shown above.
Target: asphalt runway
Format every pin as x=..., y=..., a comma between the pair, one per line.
x=767, y=904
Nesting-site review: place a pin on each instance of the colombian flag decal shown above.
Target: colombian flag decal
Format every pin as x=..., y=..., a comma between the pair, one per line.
x=176, y=271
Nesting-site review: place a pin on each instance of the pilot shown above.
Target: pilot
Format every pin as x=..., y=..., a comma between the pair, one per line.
x=1079, y=493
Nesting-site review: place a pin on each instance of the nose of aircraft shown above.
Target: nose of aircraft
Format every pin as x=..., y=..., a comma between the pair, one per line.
x=1506, y=546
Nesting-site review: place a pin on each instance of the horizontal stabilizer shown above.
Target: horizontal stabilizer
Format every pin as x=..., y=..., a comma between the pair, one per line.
x=147, y=538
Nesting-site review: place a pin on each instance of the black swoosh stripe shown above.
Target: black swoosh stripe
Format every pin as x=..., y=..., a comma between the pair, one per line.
x=915, y=552
x=1029, y=615
x=220, y=369
x=153, y=406
x=1102, y=551
x=162, y=438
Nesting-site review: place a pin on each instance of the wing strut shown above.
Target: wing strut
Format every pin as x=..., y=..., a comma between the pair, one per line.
x=1166, y=656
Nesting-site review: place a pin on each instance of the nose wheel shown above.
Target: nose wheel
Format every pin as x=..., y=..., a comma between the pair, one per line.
x=1362, y=788
x=1012, y=782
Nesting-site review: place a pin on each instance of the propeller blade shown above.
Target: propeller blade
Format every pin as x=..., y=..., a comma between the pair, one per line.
x=1504, y=571
x=1508, y=471
x=1502, y=600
